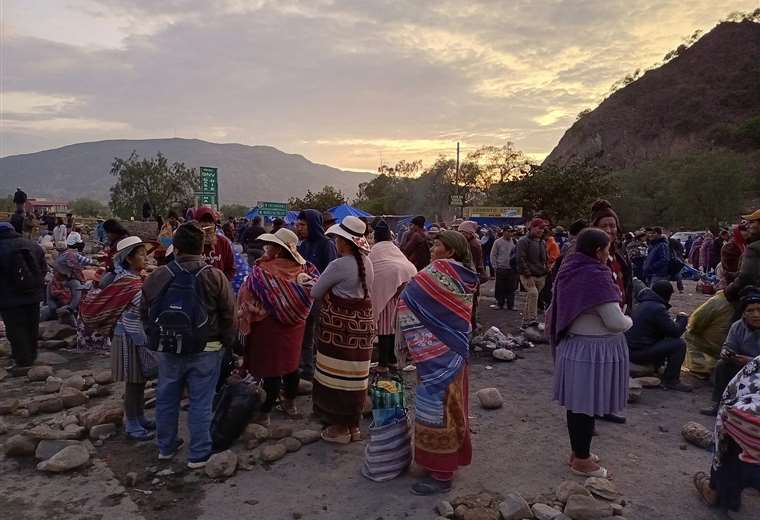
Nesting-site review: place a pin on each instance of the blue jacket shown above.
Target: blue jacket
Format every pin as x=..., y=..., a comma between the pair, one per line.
x=652, y=321
x=658, y=259
x=317, y=249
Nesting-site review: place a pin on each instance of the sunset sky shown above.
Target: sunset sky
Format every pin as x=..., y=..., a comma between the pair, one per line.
x=345, y=83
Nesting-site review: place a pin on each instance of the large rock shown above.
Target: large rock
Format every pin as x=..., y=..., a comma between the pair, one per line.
x=52, y=344
x=75, y=381
x=8, y=406
x=110, y=412
x=256, y=431
x=581, y=507
x=634, y=391
x=291, y=444
x=103, y=377
x=102, y=431
x=480, y=513
x=544, y=512
x=307, y=436
x=503, y=354
x=697, y=434
x=72, y=397
x=67, y=459
x=490, y=398
x=514, y=507
x=569, y=488
x=39, y=373
x=42, y=432
x=273, y=452
x=278, y=432
x=221, y=465
x=649, y=381
x=19, y=446
x=445, y=509
x=50, y=358
x=52, y=404
x=55, y=330
x=52, y=384
x=47, y=448
x=603, y=488
x=535, y=334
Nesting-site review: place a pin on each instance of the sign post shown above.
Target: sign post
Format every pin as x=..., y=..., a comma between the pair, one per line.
x=208, y=194
x=273, y=209
x=494, y=211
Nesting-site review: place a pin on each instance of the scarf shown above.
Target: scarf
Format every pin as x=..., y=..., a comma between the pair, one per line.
x=392, y=270
x=582, y=283
x=739, y=239
x=101, y=309
x=455, y=241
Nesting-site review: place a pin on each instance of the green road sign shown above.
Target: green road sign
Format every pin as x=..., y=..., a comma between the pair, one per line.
x=273, y=209
x=209, y=180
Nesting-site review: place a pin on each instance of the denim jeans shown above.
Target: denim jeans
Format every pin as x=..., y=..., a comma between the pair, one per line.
x=199, y=372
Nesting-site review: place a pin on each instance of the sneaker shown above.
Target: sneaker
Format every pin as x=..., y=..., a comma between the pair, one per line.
x=677, y=386
x=170, y=456
x=148, y=424
x=494, y=306
x=142, y=436
x=613, y=418
x=197, y=464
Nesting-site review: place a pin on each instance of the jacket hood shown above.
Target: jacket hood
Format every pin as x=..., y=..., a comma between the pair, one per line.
x=314, y=220
x=648, y=295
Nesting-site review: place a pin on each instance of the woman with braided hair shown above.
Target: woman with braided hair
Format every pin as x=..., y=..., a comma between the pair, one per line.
x=345, y=333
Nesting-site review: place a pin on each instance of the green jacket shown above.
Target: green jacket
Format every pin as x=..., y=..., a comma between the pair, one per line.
x=708, y=325
x=749, y=272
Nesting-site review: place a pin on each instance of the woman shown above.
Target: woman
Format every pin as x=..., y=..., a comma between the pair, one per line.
x=64, y=292
x=434, y=316
x=731, y=254
x=345, y=334
x=392, y=272
x=115, y=232
x=273, y=305
x=60, y=233
x=586, y=326
x=605, y=218
x=705, y=252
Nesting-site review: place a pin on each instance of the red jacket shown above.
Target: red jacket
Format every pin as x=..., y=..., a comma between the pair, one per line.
x=221, y=256
x=416, y=248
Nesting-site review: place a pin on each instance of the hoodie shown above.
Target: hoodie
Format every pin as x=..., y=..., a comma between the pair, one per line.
x=657, y=263
x=652, y=321
x=317, y=248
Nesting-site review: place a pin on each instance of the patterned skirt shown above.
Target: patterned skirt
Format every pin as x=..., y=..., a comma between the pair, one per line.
x=125, y=360
x=344, y=350
x=88, y=341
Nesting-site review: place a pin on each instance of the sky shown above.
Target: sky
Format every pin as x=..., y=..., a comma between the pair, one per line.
x=352, y=84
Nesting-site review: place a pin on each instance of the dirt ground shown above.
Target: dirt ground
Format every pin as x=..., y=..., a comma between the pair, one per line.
x=522, y=447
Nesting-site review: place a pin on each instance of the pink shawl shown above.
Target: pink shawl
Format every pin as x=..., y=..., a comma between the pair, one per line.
x=392, y=270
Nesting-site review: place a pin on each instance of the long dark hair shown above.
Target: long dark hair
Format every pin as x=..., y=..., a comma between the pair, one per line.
x=590, y=240
x=360, y=266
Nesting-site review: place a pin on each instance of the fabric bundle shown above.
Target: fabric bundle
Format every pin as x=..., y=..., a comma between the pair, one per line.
x=389, y=451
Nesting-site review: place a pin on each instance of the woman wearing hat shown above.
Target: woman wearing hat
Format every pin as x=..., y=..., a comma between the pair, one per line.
x=345, y=334
x=273, y=305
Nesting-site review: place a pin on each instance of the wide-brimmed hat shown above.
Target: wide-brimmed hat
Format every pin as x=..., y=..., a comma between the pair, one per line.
x=126, y=245
x=468, y=226
x=286, y=239
x=752, y=216
x=352, y=229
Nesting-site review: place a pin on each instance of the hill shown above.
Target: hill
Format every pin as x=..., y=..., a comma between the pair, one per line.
x=246, y=173
x=707, y=97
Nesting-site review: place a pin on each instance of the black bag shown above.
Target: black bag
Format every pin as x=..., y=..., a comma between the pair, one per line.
x=178, y=319
x=233, y=407
x=675, y=264
x=24, y=271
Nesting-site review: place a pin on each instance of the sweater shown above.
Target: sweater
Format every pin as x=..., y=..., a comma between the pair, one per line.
x=502, y=253
x=743, y=340
x=531, y=257
x=602, y=320
x=342, y=277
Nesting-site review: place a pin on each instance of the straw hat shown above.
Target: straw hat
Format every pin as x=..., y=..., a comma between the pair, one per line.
x=286, y=239
x=127, y=245
x=352, y=229
x=752, y=216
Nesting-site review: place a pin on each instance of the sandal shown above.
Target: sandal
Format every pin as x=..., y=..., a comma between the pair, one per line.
x=288, y=407
x=329, y=435
x=356, y=434
x=599, y=472
x=594, y=458
x=706, y=493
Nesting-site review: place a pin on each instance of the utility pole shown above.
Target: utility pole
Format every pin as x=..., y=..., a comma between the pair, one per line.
x=459, y=190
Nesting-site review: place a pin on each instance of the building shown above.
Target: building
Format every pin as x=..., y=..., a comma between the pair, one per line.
x=41, y=206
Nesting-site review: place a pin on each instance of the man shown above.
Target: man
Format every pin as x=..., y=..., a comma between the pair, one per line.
x=19, y=199
x=717, y=246
x=69, y=222
x=637, y=252
x=533, y=268
x=229, y=229
x=217, y=249
x=415, y=245
x=22, y=280
x=251, y=243
x=277, y=225
x=197, y=372
x=657, y=264
x=17, y=222
x=469, y=229
x=504, y=261
x=316, y=248
x=678, y=254
x=328, y=220
x=655, y=337
x=749, y=270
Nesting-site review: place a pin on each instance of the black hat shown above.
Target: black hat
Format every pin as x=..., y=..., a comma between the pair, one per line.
x=382, y=231
x=663, y=289
x=419, y=220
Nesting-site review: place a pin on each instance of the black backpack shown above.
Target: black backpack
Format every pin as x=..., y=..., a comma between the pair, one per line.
x=178, y=318
x=233, y=407
x=675, y=264
x=24, y=272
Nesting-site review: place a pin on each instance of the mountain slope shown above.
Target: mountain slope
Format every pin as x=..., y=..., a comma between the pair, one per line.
x=697, y=101
x=246, y=173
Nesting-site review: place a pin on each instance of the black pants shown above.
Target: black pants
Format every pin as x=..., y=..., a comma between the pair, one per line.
x=670, y=351
x=386, y=350
x=581, y=429
x=723, y=373
x=506, y=285
x=134, y=400
x=307, y=346
x=733, y=476
x=272, y=387
x=22, y=326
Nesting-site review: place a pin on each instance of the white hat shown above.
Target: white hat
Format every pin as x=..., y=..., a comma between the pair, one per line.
x=286, y=239
x=352, y=229
x=127, y=245
x=73, y=239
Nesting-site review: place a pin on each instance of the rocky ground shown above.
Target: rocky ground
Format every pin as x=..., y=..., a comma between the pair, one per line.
x=520, y=453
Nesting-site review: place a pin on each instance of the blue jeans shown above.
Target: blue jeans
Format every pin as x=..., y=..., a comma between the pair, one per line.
x=200, y=373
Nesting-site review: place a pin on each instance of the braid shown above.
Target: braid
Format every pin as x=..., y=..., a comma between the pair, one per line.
x=360, y=267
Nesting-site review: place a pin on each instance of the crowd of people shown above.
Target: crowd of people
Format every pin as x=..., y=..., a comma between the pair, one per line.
x=308, y=308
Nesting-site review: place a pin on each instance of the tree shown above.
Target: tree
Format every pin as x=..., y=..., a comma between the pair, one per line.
x=323, y=200
x=234, y=210
x=85, y=207
x=153, y=180
x=7, y=205
x=501, y=163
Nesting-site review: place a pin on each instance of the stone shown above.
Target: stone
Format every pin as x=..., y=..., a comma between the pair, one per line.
x=697, y=434
x=165, y=473
x=280, y=432
x=459, y=512
x=617, y=509
x=273, y=452
x=88, y=381
x=72, y=397
x=51, y=405
x=42, y=432
x=649, y=381
x=47, y=448
x=3, y=428
x=445, y=509
x=3, y=373
x=19, y=446
x=291, y=444
x=514, y=507
x=101, y=414
x=52, y=384
x=307, y=436
x=130, y=479
x=97, y=390
x=8, y=406
x=490, y=398
x=503, y=354
x=103, y=377
x=251, y=444
x=55, y=330
x=634, y=391
x=256, y=431
x=568, y=488
x=221, y=465
x=581, y=507
x=50, y=358
x=67, y=459
x=481, y=513
x=75, y=381
x=102, y=431
x=52, y=344
x=39, y=373
x=544, y=512
x=247, y=460
x=64, y=373
x=640, y=370
x=535, y=334
x=603, y=488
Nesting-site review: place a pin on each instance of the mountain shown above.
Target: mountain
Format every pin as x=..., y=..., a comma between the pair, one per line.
x=706, y=97
x=247, y=174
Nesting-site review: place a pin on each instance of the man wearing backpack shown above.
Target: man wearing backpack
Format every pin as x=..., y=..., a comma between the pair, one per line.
x=657, y=264
x=188, y=309
x=22, y=275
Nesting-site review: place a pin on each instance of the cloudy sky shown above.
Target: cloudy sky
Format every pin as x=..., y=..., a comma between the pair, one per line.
x=346, y=83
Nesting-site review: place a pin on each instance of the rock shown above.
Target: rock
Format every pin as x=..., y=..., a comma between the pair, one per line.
x=291, y=444
x=459, y=512
x=640, y=370
x=514, y=507
x=52, y=384
x=3, y=428
x=273, y=452
x=102, y=431
x=251, y=444
x=634, y=391
x=52, y=344
x=581, y=507
x=535, y=334
x=503, y=354
x=307, y=436
x=51, y=405
x=697, y=434
x=39, y=373
x=103, y=377
x=544, y=512
x=445, y=509
x=221, y=465
x=68, y=458
x=130, y=480
x=649, y=381
x=19, y=446
x=3, y=373
x=490, y=398
x=101, y=414
x=280, y=432
x=47, y=448
x=75, y=381
x=50, y=358
x=165, y=473
x=256, y=431
x=603, y=488
x=72, y=397
x=43, y=432
x=8, y=406
x=617, y=509
x=97, y=390
x=249, y=459
x=55, y=330
x=568, y=488
x=64, y=373
x=481, y=513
